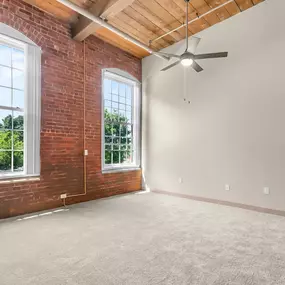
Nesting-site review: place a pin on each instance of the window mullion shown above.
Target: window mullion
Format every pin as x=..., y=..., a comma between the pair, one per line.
x=11, y=108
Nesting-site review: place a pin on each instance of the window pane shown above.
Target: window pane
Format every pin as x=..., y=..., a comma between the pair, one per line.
x=129, y=116
x=18, y=79
x=123, y=147
x=122, y=90
x=18, y=161
x=108, y=139
x=129, y=130
x=18, y=140
x=116, y=147
x=116, y=130
x=5, y=140
x=5, y=76
x=108, y=147
x=108, y=96
x=107, y=103
x=122, y=115
x=108, y=159
x=5, y=161
x=116, y=157
x=5, y=97
x=107, y=113
x=116, y=140
x=5, y=55
x=115, y=98
x=122, y=107
x=18, y=120
x=115, y=105
x=128, y=108
x=122, y=100
x=129, y=102
x=18, y=99
x=18, y=59
x=107, y=86
x=115, y=114
x=129, y=157
x=115, y=87
x=123, y=156
x=128, y=92
x=123, y=140
x=123, y=130
x=5, y=119
x=108, y=129
x=129, y=144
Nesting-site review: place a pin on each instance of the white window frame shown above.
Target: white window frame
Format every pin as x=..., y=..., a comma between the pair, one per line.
x=32, y=100
x=125, y=78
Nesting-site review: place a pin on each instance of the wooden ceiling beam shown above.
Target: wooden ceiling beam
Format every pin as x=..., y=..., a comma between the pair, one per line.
x=102, y=8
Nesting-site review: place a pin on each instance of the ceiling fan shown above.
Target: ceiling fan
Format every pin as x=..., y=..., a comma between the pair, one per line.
x=189, y=58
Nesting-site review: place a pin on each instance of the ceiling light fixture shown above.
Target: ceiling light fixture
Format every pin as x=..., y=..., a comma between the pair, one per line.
x=187, y=61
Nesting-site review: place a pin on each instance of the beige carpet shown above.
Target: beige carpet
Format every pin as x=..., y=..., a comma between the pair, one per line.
x=143, y=240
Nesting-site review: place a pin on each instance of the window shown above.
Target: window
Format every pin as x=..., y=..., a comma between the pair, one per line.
x=121, y=136
x=19, y=106
x=11, y=108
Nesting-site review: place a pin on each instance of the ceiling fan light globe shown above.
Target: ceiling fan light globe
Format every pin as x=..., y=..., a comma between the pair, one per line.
x=187, y=61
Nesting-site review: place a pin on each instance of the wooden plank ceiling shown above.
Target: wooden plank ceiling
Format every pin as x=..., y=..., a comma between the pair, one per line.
x=144, y=20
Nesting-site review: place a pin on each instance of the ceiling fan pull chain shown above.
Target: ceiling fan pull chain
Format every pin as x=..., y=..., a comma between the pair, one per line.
x=186, y=96
x=184, y=87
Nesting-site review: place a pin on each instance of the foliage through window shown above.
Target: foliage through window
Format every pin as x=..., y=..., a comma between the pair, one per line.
x=120, y=122
x=11, y=108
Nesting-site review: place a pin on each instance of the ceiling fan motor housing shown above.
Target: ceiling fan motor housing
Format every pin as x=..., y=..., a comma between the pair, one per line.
x=187, y=55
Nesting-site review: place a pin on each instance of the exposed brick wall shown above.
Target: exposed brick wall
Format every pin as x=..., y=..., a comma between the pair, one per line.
x=62, y=114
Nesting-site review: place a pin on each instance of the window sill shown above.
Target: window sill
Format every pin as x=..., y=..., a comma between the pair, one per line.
x=120, y=169
x=19, y=178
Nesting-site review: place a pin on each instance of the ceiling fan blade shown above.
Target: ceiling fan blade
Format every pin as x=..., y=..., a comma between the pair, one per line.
x=168, y=54
x=170, y=66
x=211, y=55
x=196, y=66
x=194, y=41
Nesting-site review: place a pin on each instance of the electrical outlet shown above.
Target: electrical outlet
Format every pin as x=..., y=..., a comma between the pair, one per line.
x=180, y=180
x=86, y=152
x=227, y=187
x=266, y=190
x=63, y=196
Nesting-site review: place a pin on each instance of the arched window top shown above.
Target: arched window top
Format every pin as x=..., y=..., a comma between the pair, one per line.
x=13, y=34
x=122, y=73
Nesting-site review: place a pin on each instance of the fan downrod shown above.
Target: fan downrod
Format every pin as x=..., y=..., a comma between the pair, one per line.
x=188, y=58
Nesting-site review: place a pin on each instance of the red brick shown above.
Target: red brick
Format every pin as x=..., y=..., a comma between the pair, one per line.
x=62, y=115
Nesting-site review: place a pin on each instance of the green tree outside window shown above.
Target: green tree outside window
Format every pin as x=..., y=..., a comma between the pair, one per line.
x=118, y=138
x=6, y=143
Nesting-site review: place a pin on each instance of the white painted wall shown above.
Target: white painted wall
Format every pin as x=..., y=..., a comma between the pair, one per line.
x=233, y=132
